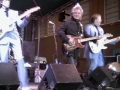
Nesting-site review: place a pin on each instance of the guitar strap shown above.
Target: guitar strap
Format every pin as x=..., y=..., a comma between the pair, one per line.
x=78, y=23
x=102, y=49
x=81, y=26
x=6, y=12
x=97, y=30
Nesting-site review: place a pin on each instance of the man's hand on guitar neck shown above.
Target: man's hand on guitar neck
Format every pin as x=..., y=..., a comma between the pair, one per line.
x=28, y=14
x=29, y=11
x=118, y=39
x=100, y=41
x=100, y=37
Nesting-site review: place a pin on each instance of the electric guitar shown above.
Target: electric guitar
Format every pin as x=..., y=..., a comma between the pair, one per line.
x=95, y=48
x=3, y=31
x=78, y=40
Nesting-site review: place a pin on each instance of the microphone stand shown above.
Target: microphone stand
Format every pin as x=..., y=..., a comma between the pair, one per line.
x=56, y=60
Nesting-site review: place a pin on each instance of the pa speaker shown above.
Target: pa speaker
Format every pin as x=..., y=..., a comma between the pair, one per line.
x=60, y=77
x=8, y=77
x=99, y=77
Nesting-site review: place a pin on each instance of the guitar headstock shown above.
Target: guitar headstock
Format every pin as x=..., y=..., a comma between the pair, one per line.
x=108, y=35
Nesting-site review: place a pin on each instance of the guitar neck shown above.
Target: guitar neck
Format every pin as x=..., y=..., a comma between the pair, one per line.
x=93, y=38
x=111, y=40
x=88, y=39
x=18, y=18
x=25, y=13
x=22, y=16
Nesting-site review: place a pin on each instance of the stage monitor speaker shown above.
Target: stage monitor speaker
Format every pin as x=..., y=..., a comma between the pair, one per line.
x=61, y=77
x=99, y=77
x=8, y=77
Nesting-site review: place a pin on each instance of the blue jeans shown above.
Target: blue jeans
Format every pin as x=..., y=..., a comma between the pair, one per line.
x=4, y=50
x=22, y=73
x=96, y=60
x=21, y=70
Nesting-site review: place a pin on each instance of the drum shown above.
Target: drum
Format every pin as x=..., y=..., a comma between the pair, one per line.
x=113, y=68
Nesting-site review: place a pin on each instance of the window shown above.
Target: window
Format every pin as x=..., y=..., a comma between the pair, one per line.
x=111, y=11
x=42, y=28
x=85, y=18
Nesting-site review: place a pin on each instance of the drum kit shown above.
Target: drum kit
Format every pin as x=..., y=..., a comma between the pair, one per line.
x=114, y=70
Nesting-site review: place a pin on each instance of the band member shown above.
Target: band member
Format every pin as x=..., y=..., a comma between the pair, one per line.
x=12, y=38
x=71, y=27
x=91, y=30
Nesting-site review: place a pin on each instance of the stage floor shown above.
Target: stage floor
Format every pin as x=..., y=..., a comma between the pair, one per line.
x=33, y=86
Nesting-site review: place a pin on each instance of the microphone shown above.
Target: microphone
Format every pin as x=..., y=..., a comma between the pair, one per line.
x=51, y=22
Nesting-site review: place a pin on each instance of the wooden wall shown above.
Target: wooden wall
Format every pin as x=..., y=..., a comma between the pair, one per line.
x=96, y=6
x=114, y=29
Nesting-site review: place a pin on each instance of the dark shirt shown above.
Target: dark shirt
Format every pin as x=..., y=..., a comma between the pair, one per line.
x=69, y=27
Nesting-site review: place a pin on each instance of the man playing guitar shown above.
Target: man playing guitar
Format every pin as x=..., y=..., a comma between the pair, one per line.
x=95, y=56
x=72, y=27
x=9, y=36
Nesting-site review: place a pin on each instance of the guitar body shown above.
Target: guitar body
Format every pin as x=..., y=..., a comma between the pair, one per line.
x=78, y=40
x=77, y=44
x=9, y=24
x=5, y=29
x=95, y=48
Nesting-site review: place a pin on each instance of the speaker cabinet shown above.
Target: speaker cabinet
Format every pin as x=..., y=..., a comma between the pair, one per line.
x=8, y=77
x=99, y=77
x=60, y=77
x=28, y=49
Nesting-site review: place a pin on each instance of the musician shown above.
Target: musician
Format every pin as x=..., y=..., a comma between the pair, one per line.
x=72, y=27
x=12, y=38
x=91, y=30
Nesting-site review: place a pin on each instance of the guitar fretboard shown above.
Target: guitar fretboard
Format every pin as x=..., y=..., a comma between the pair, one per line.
x=88, y=39
x=93, y=38
x=111, y=40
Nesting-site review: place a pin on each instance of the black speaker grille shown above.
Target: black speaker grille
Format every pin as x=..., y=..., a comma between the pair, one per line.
x=100, y=76
x=63, y=77
x=8, y=74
